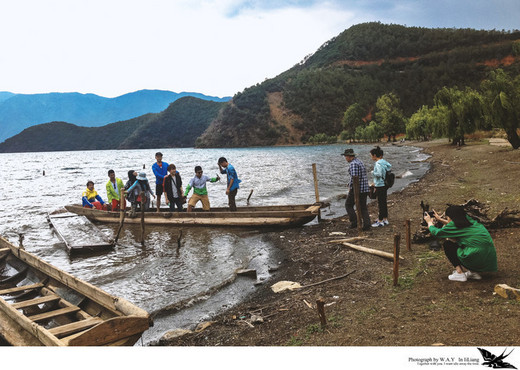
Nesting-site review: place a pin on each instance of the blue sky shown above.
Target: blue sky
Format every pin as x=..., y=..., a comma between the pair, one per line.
x=111, y=47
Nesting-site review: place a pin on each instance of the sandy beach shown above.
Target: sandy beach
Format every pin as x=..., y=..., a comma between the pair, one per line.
x=365, y=308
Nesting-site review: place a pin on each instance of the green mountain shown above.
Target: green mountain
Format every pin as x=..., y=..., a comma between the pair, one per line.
x=361, y=64
x=178, y=126
x=20, y=111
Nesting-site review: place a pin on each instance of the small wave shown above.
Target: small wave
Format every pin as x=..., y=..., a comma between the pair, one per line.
x=421, y=157
x=407, y=174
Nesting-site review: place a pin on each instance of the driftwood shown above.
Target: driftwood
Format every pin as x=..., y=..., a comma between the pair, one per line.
x=372, y=251
x=477, y=211
x=348, y=240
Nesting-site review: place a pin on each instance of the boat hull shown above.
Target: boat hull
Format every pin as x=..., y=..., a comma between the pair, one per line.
x=41, y=305
x=268, y=216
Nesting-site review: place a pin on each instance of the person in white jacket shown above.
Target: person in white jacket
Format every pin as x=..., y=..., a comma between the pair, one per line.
x=380, y=168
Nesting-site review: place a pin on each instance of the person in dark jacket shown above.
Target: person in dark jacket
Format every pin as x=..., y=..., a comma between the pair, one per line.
x=172, y=187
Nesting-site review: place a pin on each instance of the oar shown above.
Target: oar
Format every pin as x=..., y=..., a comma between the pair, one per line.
x=122, y=214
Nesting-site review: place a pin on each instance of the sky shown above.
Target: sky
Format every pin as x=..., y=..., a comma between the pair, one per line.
x=214, y=47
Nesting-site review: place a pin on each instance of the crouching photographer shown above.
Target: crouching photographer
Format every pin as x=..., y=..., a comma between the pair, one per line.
x=468, y=245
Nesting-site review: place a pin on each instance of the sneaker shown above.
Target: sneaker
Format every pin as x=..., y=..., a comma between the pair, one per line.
x=378, y=224
x=473, y=275
x=385, y=222
x=457, y=277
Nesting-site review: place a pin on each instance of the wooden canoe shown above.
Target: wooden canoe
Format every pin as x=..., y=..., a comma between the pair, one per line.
x=41, y=305
x=77, y=233
x=274, y=216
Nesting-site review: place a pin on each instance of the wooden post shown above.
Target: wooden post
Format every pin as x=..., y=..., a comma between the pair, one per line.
x=357, y=200
x=316, y=191
x=320, y=305
x=249, y=197
x=142, y=218
x=397, y=239
x=408, y=235
x=122, y=213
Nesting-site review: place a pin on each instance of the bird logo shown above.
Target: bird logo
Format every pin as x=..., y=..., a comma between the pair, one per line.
x=495, y=362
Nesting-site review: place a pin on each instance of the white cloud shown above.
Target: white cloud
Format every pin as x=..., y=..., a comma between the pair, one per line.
x=217, y=47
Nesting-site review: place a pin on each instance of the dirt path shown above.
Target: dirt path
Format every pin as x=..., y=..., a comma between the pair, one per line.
x=364, y=309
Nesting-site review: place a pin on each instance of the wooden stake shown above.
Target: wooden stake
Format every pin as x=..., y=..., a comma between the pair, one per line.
x=357, y=201
x=122, y=214
x=314, y=174
x=142, y=218
x=397, y=239
x=316, y=191
x=320, y=305
x=408, y=235
x=249, y=197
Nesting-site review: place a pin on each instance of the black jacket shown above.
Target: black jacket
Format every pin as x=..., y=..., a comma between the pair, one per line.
x=167, y=186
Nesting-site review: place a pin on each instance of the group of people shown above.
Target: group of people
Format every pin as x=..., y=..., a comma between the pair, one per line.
x=358, y=170
x=468, y=246
x=168, y=181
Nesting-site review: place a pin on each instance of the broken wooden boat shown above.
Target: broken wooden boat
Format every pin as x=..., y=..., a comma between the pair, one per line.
x=77, y=232
x=273, y=216
x=41, y=305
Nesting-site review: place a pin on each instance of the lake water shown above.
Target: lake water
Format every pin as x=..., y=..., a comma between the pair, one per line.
x=157, y=276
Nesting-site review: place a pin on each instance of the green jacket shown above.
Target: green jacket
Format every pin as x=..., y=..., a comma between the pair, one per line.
x=111, y=192
x=477, y=251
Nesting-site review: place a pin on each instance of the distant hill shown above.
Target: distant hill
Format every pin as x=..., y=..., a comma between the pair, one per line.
x=178, y=126
x=19, y=111
x=361, y=64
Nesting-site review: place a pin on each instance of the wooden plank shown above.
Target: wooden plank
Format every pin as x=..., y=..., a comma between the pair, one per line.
x=36, y=333
x=109, y=331
x=20, y=288
x=15, y=334
x=372, y=251
x=36, y=301
x=54, y=313
x=74, y=327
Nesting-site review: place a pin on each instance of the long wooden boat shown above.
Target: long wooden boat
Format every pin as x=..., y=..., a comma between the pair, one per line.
x=41, y=305
x=276, y=216
x=77, y=233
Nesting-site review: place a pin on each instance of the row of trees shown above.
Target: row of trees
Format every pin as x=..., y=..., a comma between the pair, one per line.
x=455, y=113
x=458, y=112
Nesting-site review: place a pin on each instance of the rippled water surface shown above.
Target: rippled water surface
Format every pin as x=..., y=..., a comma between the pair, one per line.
x=159, y=275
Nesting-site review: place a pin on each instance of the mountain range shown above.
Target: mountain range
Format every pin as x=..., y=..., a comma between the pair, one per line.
x=179, y=125
x=19, y=111
x=361, y=64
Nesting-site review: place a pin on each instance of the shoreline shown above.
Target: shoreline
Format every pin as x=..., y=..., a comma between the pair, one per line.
x=364, y=308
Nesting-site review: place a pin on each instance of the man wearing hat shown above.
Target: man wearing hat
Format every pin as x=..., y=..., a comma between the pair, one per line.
x=357, y=168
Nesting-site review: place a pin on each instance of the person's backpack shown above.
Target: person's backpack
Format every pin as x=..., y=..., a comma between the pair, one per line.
x=389, y=179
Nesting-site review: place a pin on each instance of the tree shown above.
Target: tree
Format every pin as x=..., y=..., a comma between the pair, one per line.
x=463, y=112
x=352, y=119
x=502, y=103
x=418, y=125
x=389, y=115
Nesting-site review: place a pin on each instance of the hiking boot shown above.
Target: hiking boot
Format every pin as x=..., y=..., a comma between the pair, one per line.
x=378, y=224
x=473, y=275
x=457, y=277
